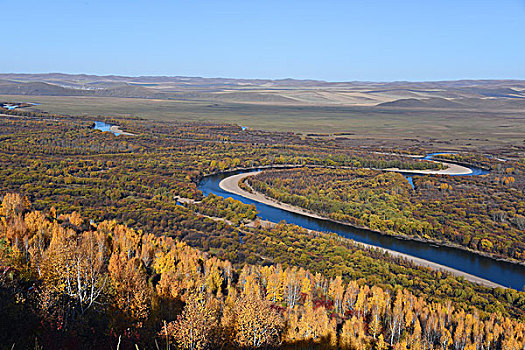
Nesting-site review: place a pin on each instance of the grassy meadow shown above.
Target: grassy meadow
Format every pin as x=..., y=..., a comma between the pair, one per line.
x=438, y=128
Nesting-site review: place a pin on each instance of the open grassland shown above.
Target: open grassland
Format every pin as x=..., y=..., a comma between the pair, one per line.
x=441, y=128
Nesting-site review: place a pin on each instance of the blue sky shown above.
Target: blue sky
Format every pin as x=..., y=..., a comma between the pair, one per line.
x=330, y=40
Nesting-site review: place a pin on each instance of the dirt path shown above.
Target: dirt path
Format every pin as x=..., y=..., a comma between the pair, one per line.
x=231, y=184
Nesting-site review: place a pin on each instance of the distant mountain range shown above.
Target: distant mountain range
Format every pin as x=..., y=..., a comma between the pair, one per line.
x=461, y=94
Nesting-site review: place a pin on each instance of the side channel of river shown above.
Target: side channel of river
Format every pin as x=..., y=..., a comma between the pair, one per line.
x=104, y=127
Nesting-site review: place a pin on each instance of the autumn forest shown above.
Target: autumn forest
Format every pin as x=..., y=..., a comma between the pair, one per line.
x=106, y=242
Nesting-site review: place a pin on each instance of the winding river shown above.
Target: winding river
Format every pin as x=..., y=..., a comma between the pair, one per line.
x=500, y=272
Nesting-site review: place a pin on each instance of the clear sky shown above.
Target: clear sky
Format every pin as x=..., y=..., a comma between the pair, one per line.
x=330, y=40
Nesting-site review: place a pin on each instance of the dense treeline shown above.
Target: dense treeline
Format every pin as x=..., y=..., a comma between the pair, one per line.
x=483, y=213
x=263, y=243
x=330, y=255
x=141, y=199
x=135, y=180
x=66, y=282
x=232, y=210
x=62, y=164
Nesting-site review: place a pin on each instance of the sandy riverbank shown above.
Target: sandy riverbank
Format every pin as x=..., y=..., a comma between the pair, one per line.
x=231, y=184
x=452, y=169
x=116, y=129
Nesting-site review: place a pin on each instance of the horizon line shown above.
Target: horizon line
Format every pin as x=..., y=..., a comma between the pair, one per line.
x=268, y=79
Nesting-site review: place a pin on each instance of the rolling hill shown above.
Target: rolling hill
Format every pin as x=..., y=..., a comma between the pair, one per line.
x=508, y=94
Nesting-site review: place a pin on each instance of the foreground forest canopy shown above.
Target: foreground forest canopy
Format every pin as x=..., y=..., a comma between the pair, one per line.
x=97, y=285
x=96, y=246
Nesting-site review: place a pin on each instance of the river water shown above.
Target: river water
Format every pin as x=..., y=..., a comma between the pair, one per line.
x=430, y=156
x=104, y=127
x=503, y=273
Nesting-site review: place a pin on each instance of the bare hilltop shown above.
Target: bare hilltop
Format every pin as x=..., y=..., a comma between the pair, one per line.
x=438, y=94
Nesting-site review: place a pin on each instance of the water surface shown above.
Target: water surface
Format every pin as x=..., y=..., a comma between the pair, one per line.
x=503, y=273
x=104, y=127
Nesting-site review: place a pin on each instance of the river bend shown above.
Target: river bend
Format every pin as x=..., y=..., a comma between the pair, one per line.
x=500, y=272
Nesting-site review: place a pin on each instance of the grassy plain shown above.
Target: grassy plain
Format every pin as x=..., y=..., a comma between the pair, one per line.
x=438, y=128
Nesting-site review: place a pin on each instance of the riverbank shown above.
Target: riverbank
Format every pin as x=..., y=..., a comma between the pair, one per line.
x=116, y=130
x=456, y=170
x=231, y=184
x=452, y=169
